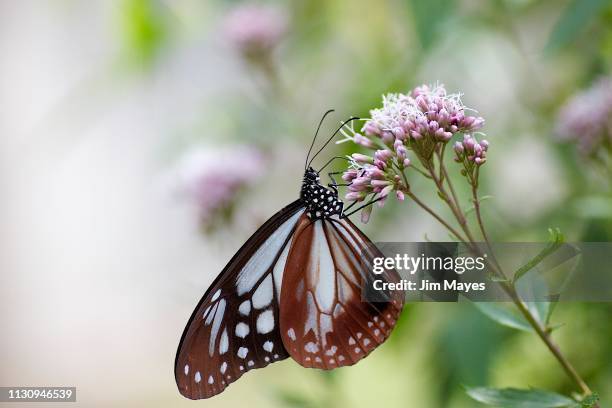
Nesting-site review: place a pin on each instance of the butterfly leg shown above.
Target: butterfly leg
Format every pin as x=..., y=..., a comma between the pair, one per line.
x=334, y=185
x=372, y=201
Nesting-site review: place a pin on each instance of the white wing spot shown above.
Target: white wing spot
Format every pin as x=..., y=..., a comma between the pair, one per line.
x=331, y=351
x=186, y=369
x=357, y=350
x=359, y=334
x=332, y=361
x=250, y=363
x=268, y=345
x=242, y=352
x=245, y=308
x=263, y=295
x=337, y=310
x=242, y=330
x=318, y=359
x=275, y=356
x=210, y=379
x=311, y=347
x=197, y=377
x=265, y=322
x=224, y=343
x=262, y=259
x=214, y=331
x=366, y=342
x=375, y=318
x=322, y=271
x=216, y=295
x=266, y=359
x=376, y=332
x=370, y=324
x=241, y=368
x=223, y=367
x=351, y=341
x=340, y=358
x=211, y=315
x=291, y=334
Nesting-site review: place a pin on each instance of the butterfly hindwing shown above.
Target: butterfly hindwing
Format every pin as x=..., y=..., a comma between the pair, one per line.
x=324, y=320
x=235, y=327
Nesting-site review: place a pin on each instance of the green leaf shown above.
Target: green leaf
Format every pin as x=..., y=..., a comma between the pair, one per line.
x=518, y=398
x=503, y=315
x=429, y=17
x=533, y=286
x=556, y=240
x=573, y=20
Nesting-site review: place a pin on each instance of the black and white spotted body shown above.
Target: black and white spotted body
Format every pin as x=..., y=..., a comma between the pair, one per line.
x=320, y=201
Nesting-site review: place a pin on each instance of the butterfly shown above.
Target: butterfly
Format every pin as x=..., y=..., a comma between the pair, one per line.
x=294, y=289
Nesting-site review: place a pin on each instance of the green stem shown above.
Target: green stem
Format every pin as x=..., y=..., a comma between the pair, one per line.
x=453, y=204
x=436, y=216
x=455, y=209
x=546, y=338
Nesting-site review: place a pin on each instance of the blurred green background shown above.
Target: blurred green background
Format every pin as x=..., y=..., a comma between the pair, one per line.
x=102, y=261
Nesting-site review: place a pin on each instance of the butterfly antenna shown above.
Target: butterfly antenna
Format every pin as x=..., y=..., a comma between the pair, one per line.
x=352, y=118
x=315, y=137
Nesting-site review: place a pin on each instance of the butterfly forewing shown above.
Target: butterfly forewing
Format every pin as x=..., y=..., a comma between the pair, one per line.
x=235, y=327
x=324, y=321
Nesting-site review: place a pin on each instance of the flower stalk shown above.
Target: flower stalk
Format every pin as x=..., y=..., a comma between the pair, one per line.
x=421, y=124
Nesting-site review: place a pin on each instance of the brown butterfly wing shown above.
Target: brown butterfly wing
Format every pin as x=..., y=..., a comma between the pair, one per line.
x=324, y=321
x=235, y=327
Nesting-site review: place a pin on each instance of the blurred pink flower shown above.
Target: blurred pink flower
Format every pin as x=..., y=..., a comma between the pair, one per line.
x=212, y=178
x=587, y=117
x=255, y=29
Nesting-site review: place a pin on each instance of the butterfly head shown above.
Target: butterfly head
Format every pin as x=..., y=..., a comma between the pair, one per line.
x=320, y=201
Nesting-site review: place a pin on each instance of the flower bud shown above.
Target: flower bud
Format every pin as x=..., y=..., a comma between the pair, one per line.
x=371, y=129
x=399, y=133
x=375, y=173
x=380, y=183
x=365, y=214
x=458, y=147
x=355, y=196
x=360, y=182
x=383, y=155
x=362, y=158
x=385, y=191
x=349, y=175
x=363, y=141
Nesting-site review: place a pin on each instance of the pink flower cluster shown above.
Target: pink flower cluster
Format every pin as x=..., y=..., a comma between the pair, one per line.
x=372, y=178
x=255, y=29
x=212, y=178
x=471, y=151
x=586, y=118
x=425, y=113
x=422, y=122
